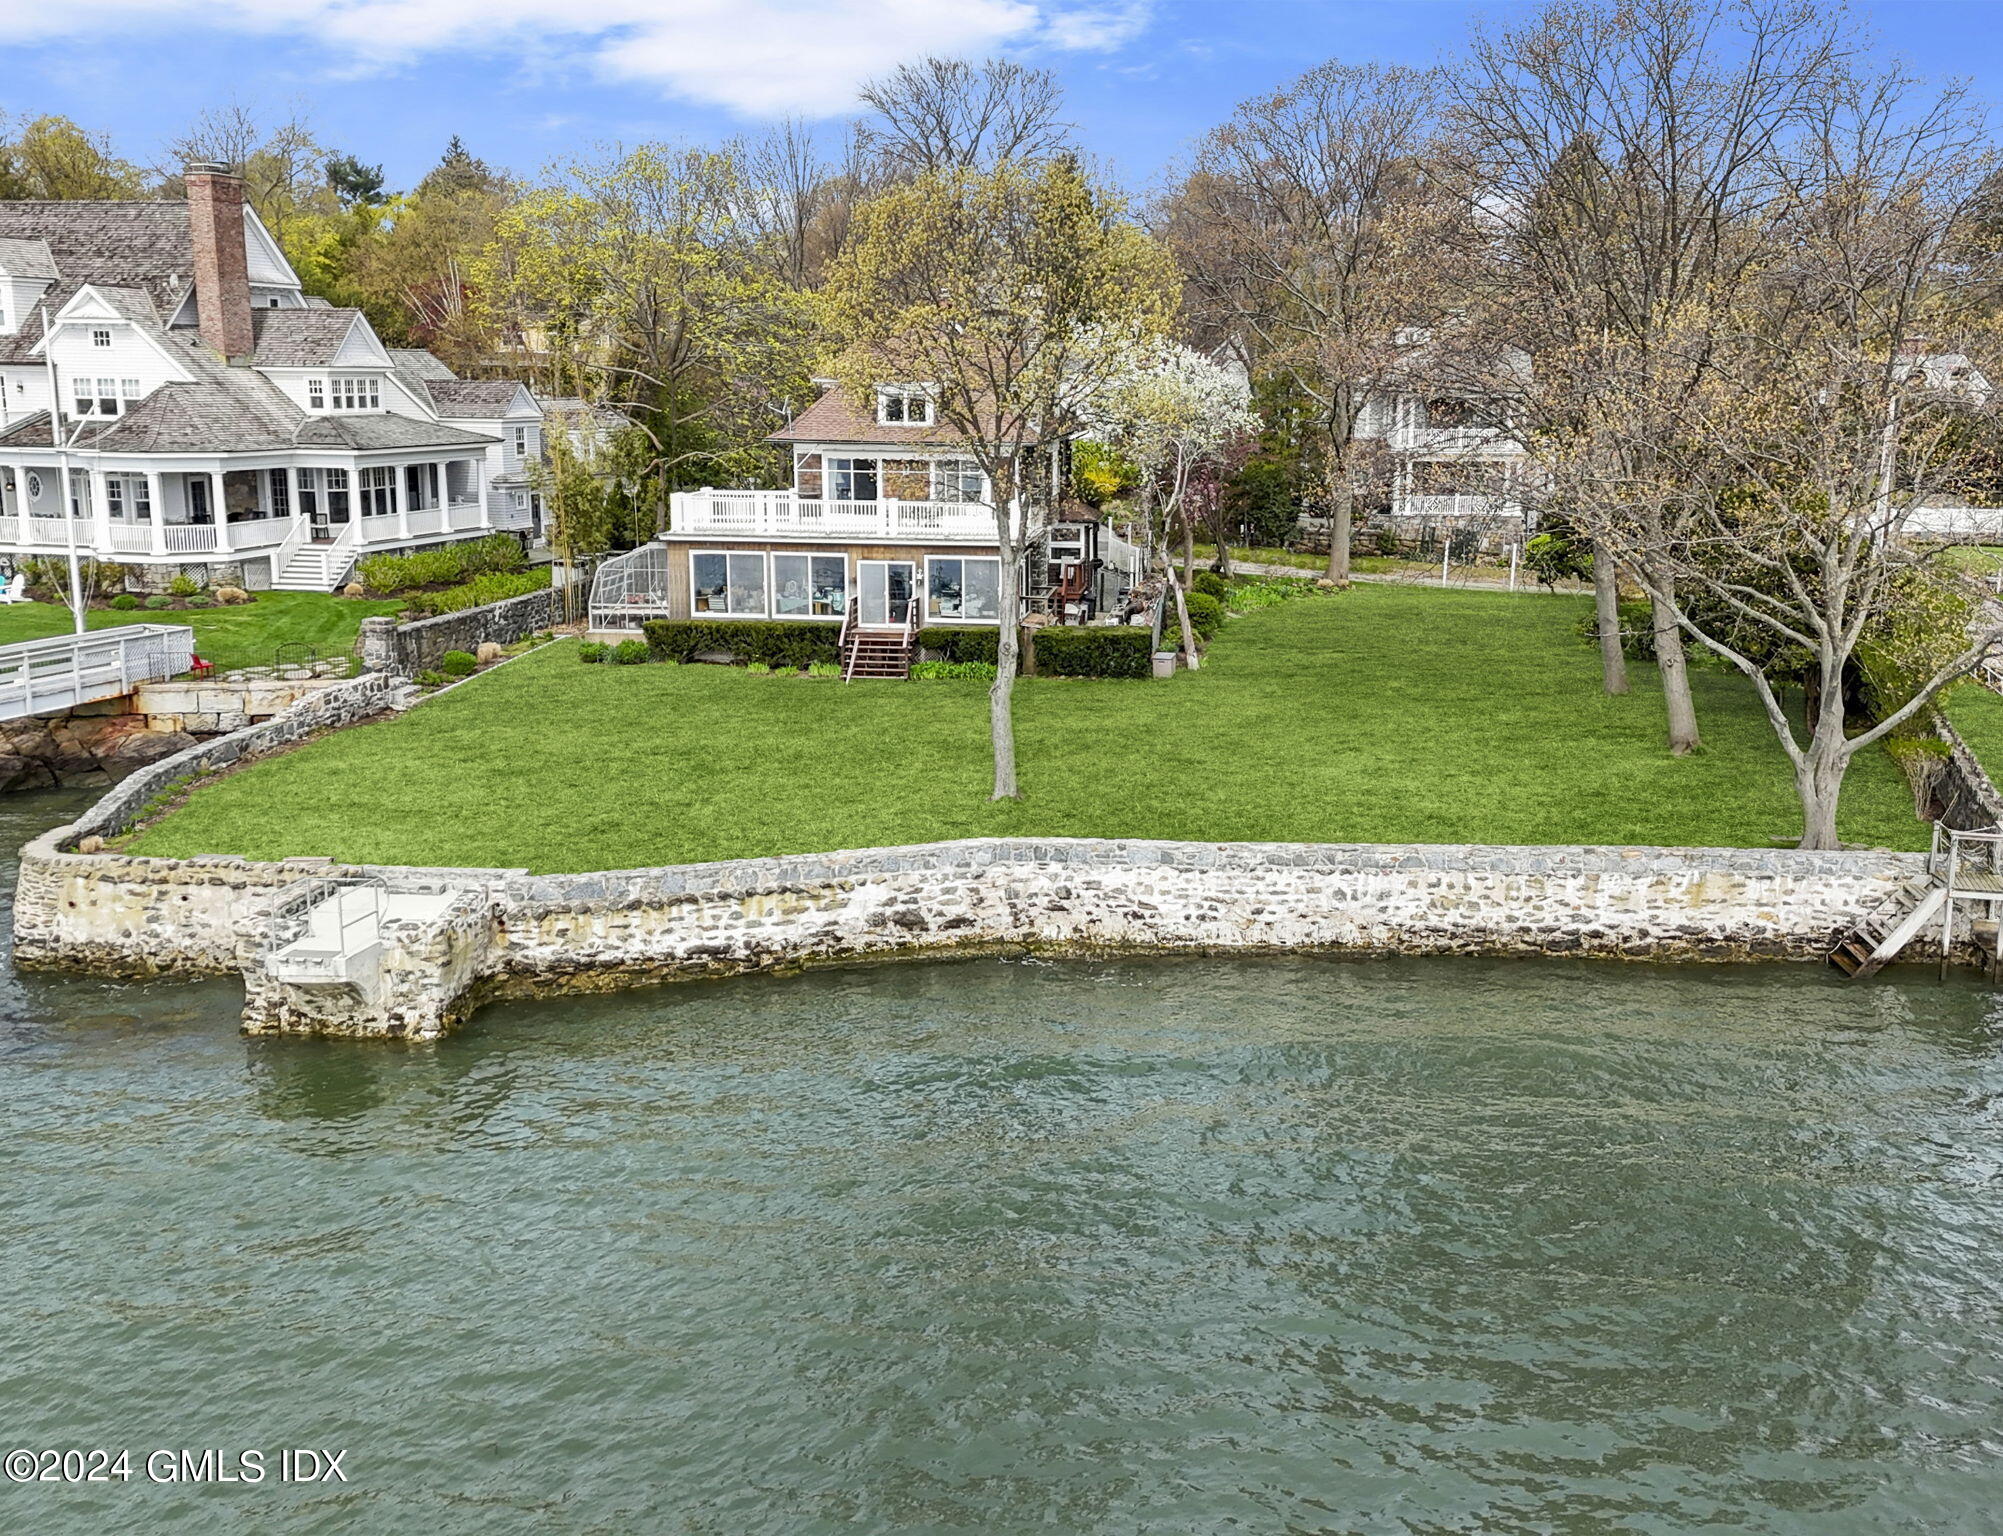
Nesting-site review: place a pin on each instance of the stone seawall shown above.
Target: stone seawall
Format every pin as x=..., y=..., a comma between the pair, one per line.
x=420, y=645
x=551, y=933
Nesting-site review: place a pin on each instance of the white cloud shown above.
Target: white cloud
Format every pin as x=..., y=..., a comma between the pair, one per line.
x=760, y=58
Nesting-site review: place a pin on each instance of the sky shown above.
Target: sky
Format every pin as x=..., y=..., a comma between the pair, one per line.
x=527, y=82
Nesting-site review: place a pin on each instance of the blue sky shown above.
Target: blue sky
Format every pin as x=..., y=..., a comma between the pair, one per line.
x=525, y=81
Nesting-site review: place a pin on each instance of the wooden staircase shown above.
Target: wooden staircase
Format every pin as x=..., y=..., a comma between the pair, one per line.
x=878, y=652
x=1887, y=928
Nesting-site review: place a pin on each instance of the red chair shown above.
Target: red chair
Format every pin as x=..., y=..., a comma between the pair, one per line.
x=202, y=668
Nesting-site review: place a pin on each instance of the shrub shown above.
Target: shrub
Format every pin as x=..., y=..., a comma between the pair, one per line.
x=159, y=600
x=429, y=679
x=458, y=664
x=490, y=587
x=183, y=585
x=981, y=671
x=1266, y=591
x=497, y=554
x=1116, y=651
x=772, y=641
x=591, y=650
x=961, y=644
x=198, y=601
x=757, y=669
x=1386, y=541
x=125, y=602
x=1210, y=584
x=1637, y=630
x=823, y=669
x=628, y=653
x=1206, y=614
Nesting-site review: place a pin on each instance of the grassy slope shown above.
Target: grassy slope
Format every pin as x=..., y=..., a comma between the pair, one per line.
x=239, y=636
x=1382, y=715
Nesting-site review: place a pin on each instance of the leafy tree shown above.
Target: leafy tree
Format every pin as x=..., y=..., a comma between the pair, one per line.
x=53, y=158
x=1100, y=474
x=356, y=185
x=1016, y=296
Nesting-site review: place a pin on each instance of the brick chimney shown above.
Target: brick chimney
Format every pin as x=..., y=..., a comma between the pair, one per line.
x=222, y=271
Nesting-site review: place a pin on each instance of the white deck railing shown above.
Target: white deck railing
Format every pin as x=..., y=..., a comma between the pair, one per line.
x=41, y=675
x=782, y=514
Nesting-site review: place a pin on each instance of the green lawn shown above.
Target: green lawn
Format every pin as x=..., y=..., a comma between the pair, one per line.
x=1384, y=714
x=245, y=635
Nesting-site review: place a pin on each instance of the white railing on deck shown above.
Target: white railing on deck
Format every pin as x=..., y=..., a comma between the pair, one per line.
x=56, y=530
x=189, y=538
x=425, y=520
x=131, y=537
x=785, y=515
x=10, y=530
x=40, y=675
x=469, y=514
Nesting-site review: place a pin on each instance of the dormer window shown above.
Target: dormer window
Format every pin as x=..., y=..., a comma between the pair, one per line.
x=348, y=392
x=100, y=337
x=103, y=397
x=904, y=408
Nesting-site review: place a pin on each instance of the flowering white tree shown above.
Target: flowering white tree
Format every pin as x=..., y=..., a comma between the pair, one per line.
x=1173, y=411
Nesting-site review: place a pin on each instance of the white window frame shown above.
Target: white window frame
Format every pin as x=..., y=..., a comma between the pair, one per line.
x=354, y=391
x=727, y=556
x=810, y=556
x=521, y=442
x=100, y=336
x=846, y=474
x=316, y=394
x=376, y=490
x=932, y=612
x=953, y=474
x=904, y=397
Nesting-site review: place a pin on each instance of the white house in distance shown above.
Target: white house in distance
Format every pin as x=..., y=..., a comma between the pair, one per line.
x=171, y=400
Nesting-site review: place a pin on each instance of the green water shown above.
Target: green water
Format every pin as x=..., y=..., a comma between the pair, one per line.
x=1186, y=1246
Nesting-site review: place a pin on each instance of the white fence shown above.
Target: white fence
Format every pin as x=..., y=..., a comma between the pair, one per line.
x=41, y=675
x=786, y=515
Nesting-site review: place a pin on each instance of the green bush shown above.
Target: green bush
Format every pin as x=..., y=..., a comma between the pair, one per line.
x=125, y=602
x=1268, y=591
x=497, y=554
x=628, y=653
x=775, y=642
x=591, y=650
x=1210, y=584
x=972, y=671
x=183, y=585
x=961, y=644
x=159, y=600
x=823, y=669
x=458, y=664
x=1206, y=614
x=490, y=587
x=1637, y=630
x=199, y=601
x=429, y=679
x=757, y=669
x=1072, y=651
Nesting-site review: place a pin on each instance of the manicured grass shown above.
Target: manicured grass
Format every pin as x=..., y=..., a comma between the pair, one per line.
x=1978, y=714
x=1383, y=714
x=245, y=635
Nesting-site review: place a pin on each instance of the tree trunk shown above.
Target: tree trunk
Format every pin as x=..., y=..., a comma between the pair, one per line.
x=1674, y=665
x=1219, y=523
x=1008, y=641
x=1188, y=546
x=1342, y=510
x=1606, y=609
x=1819, y=782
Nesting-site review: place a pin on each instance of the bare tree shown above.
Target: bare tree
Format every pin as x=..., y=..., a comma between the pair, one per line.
x=804, y=194
x=283, y=169
x=949, y=114
x=1311, y=235
x=1632, y=160
x=1827, y=406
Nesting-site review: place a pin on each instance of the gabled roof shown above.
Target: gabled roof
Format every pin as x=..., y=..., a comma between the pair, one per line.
x=418, y=363
x=27, y=258
x=835, y=418
x=477, y=399
x=585, y=412
x=128, y=244
x=385, y=430
x=300, y=338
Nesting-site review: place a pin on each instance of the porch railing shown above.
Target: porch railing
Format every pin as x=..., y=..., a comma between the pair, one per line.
x=66, y=670
x=785, y=514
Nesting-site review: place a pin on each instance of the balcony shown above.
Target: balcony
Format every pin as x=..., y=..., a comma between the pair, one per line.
x=107, y=537
x=784, y=515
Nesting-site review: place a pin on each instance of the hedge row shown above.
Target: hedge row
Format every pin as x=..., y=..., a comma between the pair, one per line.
x=776, y=643
x=489, y=587
x=1061, y=651
x=390, y=574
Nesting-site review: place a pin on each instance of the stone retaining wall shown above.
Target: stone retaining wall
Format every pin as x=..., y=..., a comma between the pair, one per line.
x=551, y=933
x=419, y=646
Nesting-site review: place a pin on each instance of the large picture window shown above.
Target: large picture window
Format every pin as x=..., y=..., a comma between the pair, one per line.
x=965, y=589
x=853, y=479
x=809, y=586
x=725, y=583
x=355, y=392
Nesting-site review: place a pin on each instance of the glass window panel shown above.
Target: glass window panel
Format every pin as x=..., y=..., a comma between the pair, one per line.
x=942, y=589
x=710, y=575
x=854, y=479
x=981, y=592
x=791, y=584
x=747, y=584
x=956, y=480
x=830, y=589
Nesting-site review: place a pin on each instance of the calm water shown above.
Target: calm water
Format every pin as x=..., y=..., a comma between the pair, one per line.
x=1188, y=1246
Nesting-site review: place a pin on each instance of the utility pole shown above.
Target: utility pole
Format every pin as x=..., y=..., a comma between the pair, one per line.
x=63, y=476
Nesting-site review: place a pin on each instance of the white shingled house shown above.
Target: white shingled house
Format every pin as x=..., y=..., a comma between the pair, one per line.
x=171, y=400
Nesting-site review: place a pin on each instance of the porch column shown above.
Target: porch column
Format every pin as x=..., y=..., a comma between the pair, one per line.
x=100, y=509
x=156, y=496
x=218, y=509
x=399, y=500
